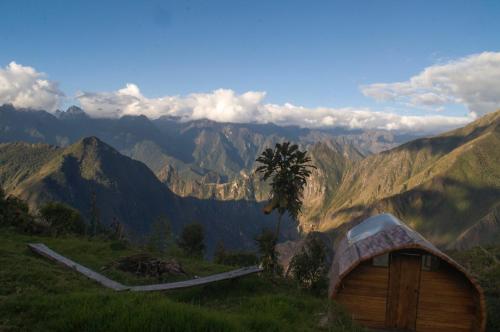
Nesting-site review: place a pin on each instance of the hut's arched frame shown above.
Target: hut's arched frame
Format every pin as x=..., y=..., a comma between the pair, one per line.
x=390, y=235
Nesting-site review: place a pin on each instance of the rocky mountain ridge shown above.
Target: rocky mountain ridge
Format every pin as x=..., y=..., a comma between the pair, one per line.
x=445, y=186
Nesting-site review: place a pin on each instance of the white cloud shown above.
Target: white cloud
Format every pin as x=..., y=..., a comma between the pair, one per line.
x=220, y=105
x=473, y=81
x=227, y=106
x=23, y=86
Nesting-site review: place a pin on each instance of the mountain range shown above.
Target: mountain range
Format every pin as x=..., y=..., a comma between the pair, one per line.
x=446, y=186
x=125, y=190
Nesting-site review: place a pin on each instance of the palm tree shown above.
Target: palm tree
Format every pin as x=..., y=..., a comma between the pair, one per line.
x=288, y=168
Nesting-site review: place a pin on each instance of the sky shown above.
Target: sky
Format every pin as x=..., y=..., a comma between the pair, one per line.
x=403, y=65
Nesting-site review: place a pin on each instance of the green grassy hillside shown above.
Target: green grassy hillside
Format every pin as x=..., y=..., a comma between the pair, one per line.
x=39, y=295
x=441, y=186
x=126, y=189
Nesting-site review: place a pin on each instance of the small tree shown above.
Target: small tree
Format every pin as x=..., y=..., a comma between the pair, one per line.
x=160, y=234
x=288, y=168
x=15, y=212
x=220, y=253
x=191, y=240
x=308, y=267
x=266, y=242
x=62, y=219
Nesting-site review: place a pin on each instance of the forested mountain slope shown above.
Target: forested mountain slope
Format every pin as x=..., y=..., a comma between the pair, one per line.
x=124, y=189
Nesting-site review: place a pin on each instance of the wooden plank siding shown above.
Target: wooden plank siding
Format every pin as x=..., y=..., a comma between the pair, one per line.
x=364, y=294
x=446, y=302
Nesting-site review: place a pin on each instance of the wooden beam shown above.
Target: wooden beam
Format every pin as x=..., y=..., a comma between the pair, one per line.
x=199, y=281
x=45, y=251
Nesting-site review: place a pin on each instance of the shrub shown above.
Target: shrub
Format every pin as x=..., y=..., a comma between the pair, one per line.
x=62, y=219
x=308, y=267
x=235, y=258
x=15, y=212
x=160, y=235
x=191, y=240
x=266, y=243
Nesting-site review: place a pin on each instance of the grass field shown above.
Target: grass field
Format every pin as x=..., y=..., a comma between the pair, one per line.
x=39, y=295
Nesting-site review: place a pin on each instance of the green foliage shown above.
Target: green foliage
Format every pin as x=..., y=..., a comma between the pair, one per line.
x=233, y=258
x=288, y=168
x=62, y=219
x=191, y=240
x=266, y=242
x=15, y=212
x=308, y=267
x=160, y=235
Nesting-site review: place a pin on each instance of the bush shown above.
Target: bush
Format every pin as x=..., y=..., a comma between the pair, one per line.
x=15, y=212
x=191, y=240
x=234, y=258
x=308, y=267
x=266, y=243
x=160, y=235
x=62, y=219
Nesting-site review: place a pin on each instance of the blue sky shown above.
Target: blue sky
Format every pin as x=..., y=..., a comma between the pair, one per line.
x=307, y=53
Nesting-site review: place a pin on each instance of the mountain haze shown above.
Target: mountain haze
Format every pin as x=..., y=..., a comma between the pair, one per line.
x=124, y=188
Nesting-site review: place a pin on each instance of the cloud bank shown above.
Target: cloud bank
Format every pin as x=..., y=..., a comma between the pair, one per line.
x=473, y=81
x=225, y=105
x=24, y=87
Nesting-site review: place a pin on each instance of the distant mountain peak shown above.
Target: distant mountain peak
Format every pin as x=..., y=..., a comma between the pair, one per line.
x=91, y=146
x=91, y=140
x=73, y=112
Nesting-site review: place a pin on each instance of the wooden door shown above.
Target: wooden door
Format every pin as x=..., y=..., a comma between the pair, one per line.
x=402, y=297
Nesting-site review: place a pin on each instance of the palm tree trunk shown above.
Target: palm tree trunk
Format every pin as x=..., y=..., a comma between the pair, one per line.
x=276, y=237
x=278, y=227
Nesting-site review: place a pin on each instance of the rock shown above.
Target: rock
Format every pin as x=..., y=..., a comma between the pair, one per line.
x=288, y=249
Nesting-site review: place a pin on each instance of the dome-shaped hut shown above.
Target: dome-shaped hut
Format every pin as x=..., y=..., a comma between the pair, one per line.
x=389, y=277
